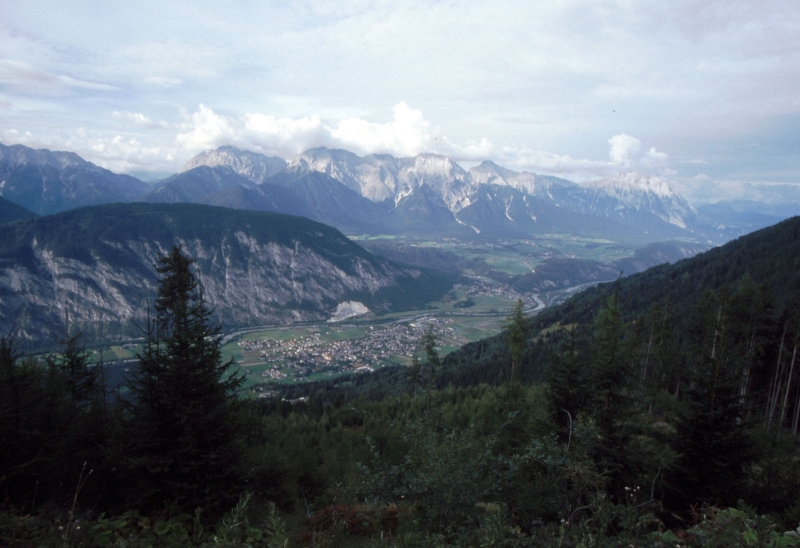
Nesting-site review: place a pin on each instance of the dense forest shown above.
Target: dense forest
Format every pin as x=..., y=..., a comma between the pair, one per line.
x=660, y=410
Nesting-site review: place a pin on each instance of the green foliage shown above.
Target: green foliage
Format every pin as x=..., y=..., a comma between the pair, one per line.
x=181, y=425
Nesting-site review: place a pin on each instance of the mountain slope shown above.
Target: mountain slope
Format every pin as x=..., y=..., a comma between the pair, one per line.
x=771, y=255
x=264, y=197
x=96, y=263
x=46, y=182
x=195, y=184
x=628, y=195
x=330, y=202
x=9, y=212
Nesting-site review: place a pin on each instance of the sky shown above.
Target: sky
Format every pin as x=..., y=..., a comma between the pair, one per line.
x=702, y=93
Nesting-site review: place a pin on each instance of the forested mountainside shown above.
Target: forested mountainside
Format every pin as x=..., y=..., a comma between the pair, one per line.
x=96, y=265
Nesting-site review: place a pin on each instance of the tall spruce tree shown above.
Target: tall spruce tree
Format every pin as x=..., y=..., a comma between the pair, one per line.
x=711, y=438
x=182, y=416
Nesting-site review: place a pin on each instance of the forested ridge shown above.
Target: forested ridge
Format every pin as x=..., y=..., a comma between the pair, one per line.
x=659, y=410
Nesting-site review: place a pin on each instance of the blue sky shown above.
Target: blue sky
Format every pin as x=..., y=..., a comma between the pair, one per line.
x=702, y=93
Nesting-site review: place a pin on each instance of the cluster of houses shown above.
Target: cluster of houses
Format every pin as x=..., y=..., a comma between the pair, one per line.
x=302, y=356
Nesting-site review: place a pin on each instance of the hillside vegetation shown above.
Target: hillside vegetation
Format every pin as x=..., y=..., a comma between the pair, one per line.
x=660, y=410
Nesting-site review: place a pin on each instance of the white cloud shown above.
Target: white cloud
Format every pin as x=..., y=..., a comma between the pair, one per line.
x=204, y=130
x=408, y=134
x=622, y=148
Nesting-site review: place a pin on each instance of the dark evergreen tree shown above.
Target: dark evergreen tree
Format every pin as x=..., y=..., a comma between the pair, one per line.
x=568, y=379
x=73, y=361
x=35, y=422
x=182, y=414
x=433, y=362
x=710, y=436
x=612, y=367
x=517, y=335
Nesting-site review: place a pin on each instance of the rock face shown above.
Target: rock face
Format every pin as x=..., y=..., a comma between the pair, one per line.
x=251, y=165
x=46, y=182
x=96, y=264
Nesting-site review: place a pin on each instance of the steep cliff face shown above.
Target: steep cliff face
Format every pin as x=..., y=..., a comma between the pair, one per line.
x=96, y=264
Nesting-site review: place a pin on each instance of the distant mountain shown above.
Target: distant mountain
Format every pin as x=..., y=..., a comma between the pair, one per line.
x=739, y=217
x=632, y=196
x=251, y=165
x=330, y=202
x=9, y=212
x=494, y=201
x=195, y=184
x=427, y=194
x=46, y=182
x=96, y=264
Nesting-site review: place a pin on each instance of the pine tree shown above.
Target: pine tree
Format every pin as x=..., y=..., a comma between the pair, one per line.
x=568, y=383
x=182, y=416
x=73, y=362
x=710, y=435
x=517, y=339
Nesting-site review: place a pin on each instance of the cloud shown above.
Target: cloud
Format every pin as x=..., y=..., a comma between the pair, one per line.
x=204, y=130
x=26, y=79
x=408, y=134
x=622, y=147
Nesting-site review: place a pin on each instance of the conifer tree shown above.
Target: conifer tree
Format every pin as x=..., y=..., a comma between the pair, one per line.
x=517, y=338
x=73, y=362
x=568, y=379
x=711, y=437
x=181, y=419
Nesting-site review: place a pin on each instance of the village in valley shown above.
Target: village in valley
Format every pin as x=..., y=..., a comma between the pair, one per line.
x=300, y=357
x=291, y=354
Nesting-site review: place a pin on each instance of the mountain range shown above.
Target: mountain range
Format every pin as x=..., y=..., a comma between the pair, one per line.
x=47, y=182
x=426, y=195
x=96, y=265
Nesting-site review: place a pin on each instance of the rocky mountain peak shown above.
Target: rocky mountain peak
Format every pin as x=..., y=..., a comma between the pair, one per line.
x=633, y=182
x=20, y=155
x=636, y=191
x=252, y=165
x=490, y=173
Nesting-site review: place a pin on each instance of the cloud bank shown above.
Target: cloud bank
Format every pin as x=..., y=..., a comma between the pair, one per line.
x=407, y=134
